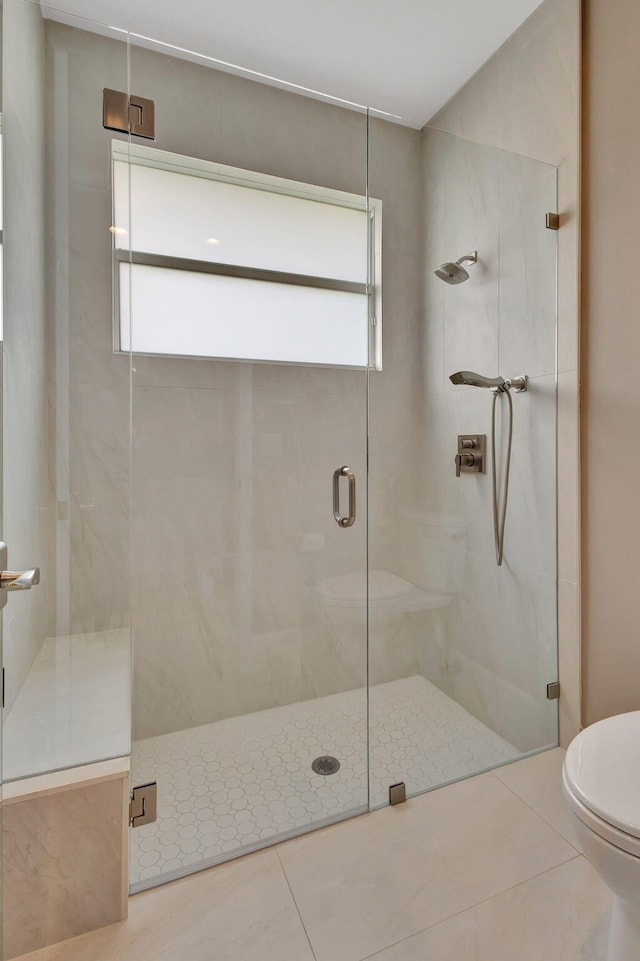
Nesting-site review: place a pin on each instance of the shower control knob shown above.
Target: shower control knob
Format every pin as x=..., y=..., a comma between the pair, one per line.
x=470, y=458
x=464, y=460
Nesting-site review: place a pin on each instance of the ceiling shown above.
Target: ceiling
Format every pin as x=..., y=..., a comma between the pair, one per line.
x=404, y=57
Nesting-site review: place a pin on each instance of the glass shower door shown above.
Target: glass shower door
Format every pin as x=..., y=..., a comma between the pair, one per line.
x=243, y=297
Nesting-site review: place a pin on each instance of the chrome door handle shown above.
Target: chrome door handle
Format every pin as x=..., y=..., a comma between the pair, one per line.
x=14, y=580
x=350, y=519
x=19, y=580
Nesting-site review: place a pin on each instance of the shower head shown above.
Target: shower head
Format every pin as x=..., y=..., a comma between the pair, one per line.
x=471, y=379
x=455, y=273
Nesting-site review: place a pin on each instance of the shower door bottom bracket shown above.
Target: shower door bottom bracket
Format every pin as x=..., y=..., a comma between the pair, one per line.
x=143, y=805
x=397, y=793
x=553, y=691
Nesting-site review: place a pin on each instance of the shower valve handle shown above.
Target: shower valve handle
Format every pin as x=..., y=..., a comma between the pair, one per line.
x=471, y=454
x=464, y=460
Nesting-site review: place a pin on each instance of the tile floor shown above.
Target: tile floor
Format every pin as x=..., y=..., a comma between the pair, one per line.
x=482, y=870
x=248, y=780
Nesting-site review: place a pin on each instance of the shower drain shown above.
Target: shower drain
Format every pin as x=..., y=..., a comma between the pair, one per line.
x=325, y=765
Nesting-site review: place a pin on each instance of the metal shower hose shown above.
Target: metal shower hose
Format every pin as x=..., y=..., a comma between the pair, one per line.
x=500, y=514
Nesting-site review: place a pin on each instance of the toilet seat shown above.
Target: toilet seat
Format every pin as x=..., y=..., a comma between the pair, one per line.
x=601, y=778
x=613, y=835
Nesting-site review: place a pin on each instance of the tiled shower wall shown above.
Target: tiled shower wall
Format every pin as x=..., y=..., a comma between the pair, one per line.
x=29, y=512
x=255, y=535
x=499, y=649
x=526, y=100
x=232, y=526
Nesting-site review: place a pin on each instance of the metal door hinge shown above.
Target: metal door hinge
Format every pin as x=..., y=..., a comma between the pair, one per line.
x=553, y=691
x=553, y=221
x=3, y=685
x=134, y=115
x=398, y=793
x=143, y=805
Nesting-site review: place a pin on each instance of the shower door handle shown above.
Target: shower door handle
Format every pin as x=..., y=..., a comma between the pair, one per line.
x=14, y=580
x=350, y=519
x=19, y=580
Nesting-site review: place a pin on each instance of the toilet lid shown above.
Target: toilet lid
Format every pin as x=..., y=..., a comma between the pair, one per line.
x=383, y=586
x=602, y=767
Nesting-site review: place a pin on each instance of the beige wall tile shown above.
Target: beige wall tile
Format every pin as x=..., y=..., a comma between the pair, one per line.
x=568, y=259
x=501, y=634
x=569, y=661
x=242, y=579
x=526, y=100
x=65, y=869
x=28, y=505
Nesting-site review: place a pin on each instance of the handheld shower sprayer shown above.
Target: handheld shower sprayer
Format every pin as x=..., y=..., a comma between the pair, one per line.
x=471, y=379
x=499, y=386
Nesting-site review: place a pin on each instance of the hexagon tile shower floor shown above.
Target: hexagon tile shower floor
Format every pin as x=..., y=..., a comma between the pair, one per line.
x=234, y=785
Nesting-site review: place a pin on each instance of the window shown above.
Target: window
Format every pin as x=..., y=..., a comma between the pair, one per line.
x=214, y=261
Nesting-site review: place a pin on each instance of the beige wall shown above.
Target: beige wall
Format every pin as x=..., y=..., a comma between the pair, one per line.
x=611, y=520
x=28, y=497
x=526, y=100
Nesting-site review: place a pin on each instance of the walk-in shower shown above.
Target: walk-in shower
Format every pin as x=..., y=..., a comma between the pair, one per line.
x=196, y=405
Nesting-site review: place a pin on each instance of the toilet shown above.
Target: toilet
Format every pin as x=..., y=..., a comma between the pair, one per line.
x=601, y=782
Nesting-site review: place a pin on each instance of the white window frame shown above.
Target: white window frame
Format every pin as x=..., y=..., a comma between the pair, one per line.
x=123, y=151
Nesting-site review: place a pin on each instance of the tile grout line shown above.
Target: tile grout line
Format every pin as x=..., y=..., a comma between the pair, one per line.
x=538, y=815
x=472, y=907
x=576, y=855
x=293, y=898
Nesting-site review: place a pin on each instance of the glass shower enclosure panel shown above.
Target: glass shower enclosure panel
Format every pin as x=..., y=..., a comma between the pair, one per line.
x=66, y=439
x=242, y=294
x=66, y=419
x=461, y=649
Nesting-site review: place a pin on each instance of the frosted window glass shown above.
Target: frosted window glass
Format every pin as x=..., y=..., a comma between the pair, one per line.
x=207, y=315
x=195, y=217
x=169, y=208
